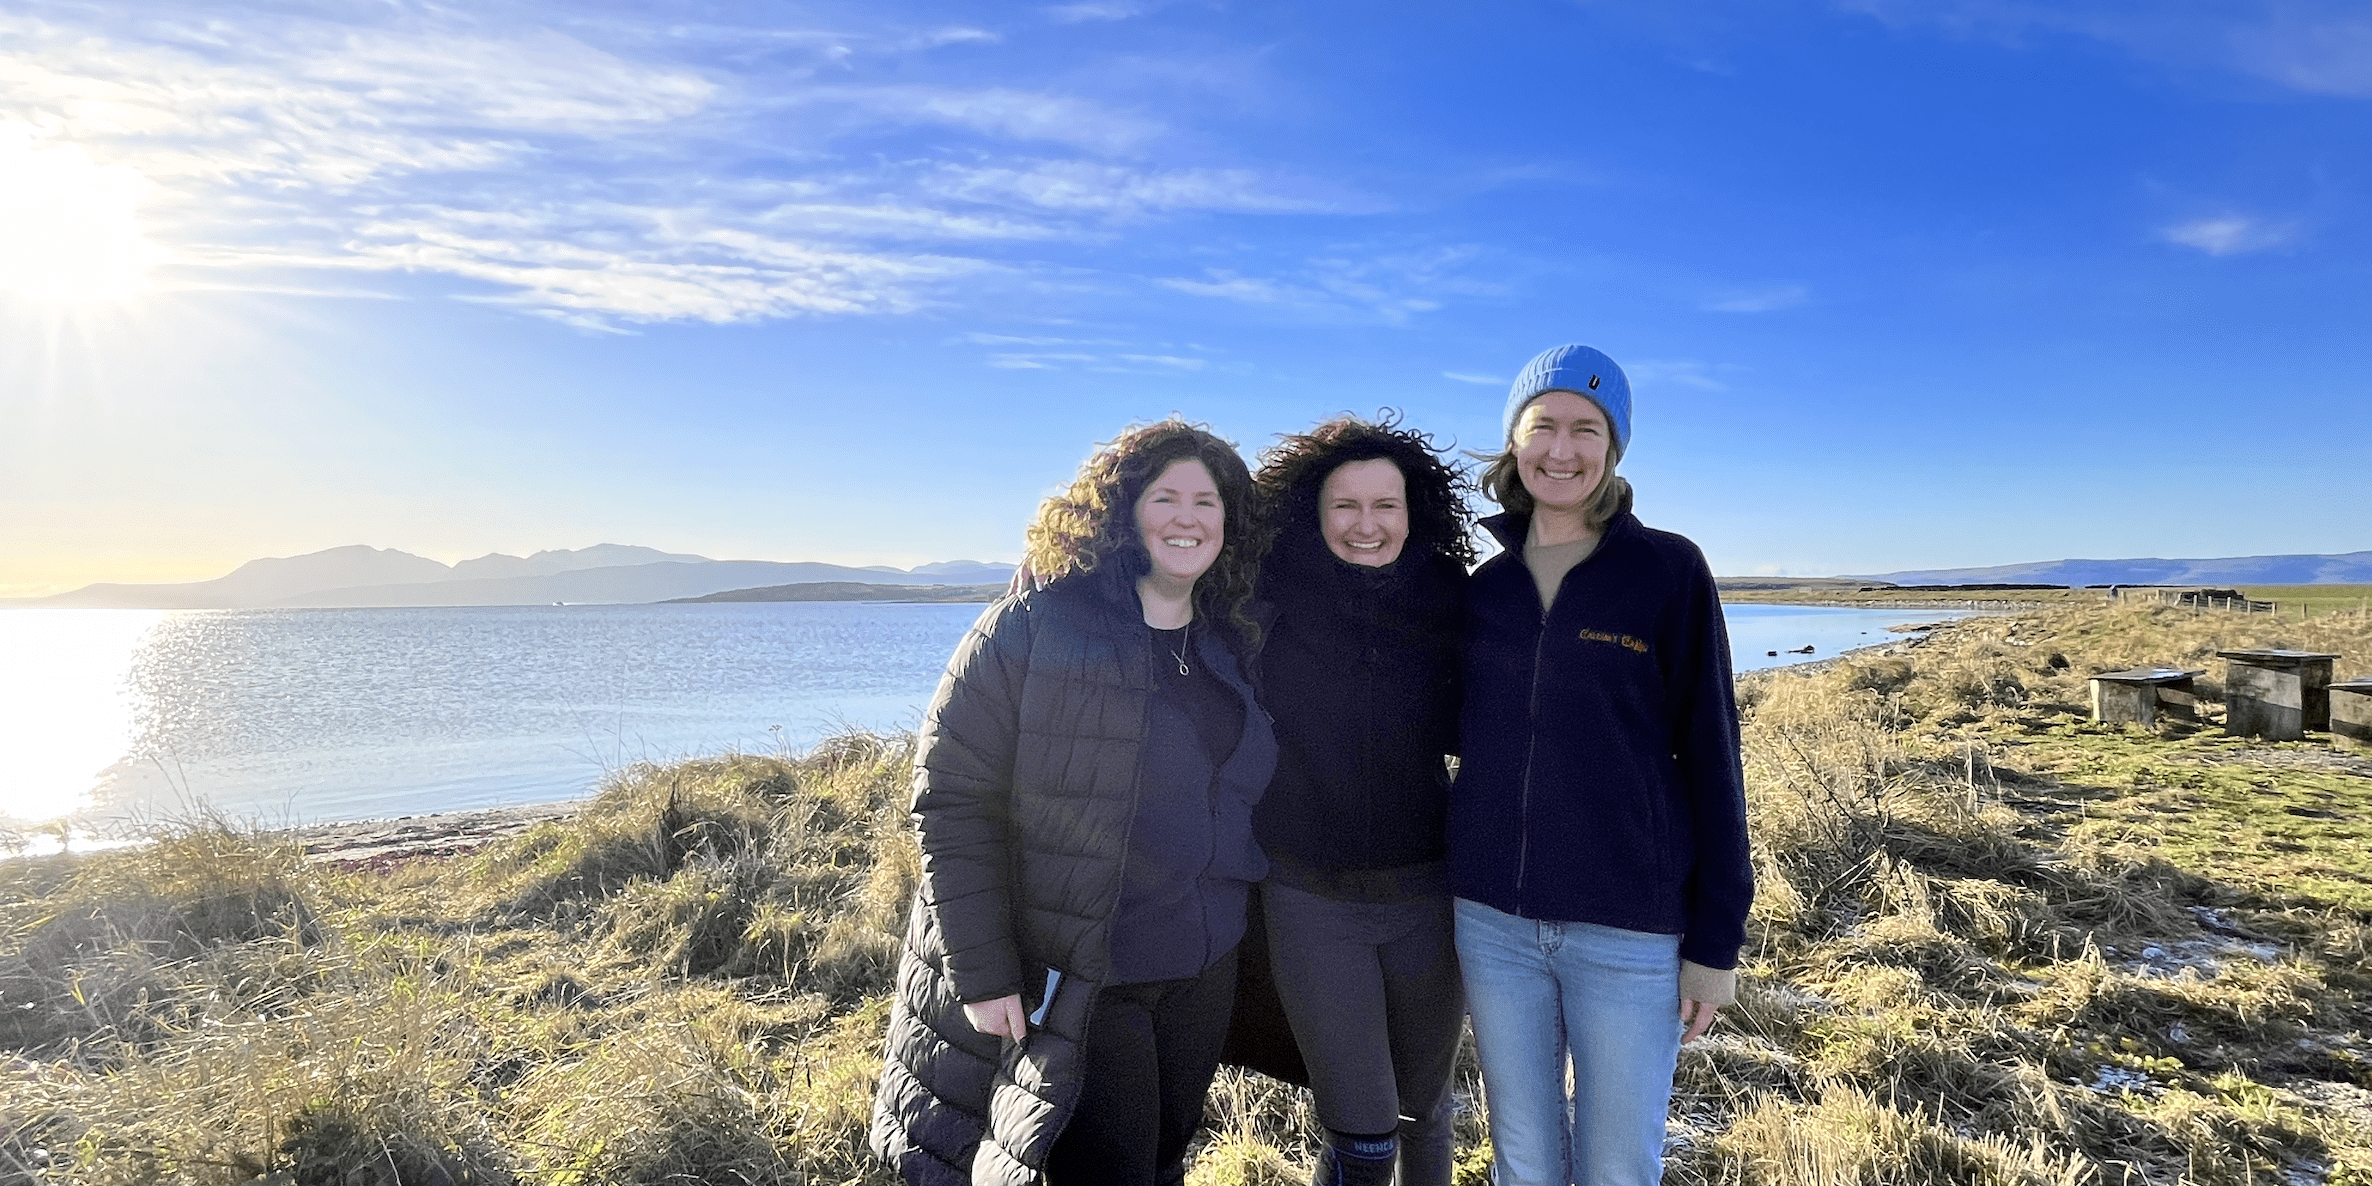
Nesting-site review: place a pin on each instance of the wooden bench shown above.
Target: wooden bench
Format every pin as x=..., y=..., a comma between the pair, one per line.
x=2276, y=695
x=2142, y=695
x=2351, y=709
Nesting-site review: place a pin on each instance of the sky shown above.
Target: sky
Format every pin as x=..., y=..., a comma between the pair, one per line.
x=1898, y=284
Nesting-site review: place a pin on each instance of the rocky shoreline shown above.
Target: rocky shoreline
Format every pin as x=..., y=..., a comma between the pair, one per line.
x=378, y=844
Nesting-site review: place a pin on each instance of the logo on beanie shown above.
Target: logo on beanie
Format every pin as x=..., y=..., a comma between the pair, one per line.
x=1593, y=382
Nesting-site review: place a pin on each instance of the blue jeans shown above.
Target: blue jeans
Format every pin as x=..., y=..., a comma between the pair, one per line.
x=1608, y=999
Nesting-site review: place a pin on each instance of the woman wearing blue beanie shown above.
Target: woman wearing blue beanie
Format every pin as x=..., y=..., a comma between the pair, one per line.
x=1597, y=832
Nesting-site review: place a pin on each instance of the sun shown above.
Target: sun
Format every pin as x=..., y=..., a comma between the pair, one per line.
x=69, y=226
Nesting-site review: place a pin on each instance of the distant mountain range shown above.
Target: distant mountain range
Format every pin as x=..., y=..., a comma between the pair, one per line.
x=358, y=575
x=2347, y=568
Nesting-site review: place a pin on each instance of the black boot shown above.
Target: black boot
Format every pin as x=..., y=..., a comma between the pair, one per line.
x=1351, y=1159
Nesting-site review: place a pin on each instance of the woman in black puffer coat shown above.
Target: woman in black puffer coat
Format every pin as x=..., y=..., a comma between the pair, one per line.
x=1083, y=793
x=1367, y=573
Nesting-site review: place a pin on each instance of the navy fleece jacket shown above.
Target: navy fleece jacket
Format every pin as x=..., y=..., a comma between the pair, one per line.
x=1598, y=776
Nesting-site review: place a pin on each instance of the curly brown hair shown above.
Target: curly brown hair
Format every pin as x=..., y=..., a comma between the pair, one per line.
x=1091, y=528
x=1293, y=471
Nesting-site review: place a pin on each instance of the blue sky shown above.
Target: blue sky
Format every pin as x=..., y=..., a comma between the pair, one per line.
x=1899, y=284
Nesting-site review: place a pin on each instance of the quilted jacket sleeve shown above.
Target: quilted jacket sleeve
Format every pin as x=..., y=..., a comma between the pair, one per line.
x=963, y=789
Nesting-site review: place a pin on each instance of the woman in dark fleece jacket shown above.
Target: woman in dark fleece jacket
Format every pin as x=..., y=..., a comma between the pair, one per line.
x=1083, y=790
x=1367, y=574
x=1598, y=824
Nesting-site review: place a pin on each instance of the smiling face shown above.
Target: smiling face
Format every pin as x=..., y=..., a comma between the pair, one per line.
x=1182, y=521
x=1363, y=512
x=1560, y=450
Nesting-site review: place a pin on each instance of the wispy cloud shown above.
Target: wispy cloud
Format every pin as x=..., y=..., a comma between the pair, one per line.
x=304, y=106
x=1055, y=352
x=1107, y=188
x=2229, y=234
x=1367, y=284
x=1226, y=285
x=2323, y=52
x=678, y=268
x=1477, y=380
x=998, y=111
x=981, y=339
x=2317, y=46
x=1108, y=10
x=607, y=175
x=1122, y=362
x=1758, y=300
x=1679, y=372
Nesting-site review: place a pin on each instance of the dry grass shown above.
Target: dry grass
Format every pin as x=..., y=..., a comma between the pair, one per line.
x=1995, y=944
x=1987, y=950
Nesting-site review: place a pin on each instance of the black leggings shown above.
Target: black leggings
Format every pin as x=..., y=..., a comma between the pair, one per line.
x=1373, y=992
x=1150, y=1054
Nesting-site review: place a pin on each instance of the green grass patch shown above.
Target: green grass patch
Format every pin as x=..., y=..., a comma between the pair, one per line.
x=2315, y=599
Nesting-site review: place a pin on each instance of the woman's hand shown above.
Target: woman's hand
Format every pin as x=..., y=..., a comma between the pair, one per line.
x=1002, y=1017
x=1698, y=1016
x=1703, y=991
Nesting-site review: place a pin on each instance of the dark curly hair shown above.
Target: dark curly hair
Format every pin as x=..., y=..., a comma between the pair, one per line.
x=1293, y=470
x=1091, y=528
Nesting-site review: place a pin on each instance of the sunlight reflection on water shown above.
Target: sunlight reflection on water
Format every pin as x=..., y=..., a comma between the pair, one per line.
x=67, y=712
x=314, y=715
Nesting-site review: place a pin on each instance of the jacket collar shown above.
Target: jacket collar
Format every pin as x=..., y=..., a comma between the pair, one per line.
x=1511, y=528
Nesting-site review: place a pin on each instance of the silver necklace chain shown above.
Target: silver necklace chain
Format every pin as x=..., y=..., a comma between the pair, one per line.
x=1184, y=633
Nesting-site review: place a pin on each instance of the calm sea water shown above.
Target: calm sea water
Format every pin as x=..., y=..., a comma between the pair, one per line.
x=115, y=716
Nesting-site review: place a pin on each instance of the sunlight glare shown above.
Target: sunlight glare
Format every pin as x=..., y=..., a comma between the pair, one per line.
x=68, y=227
x=67, y=709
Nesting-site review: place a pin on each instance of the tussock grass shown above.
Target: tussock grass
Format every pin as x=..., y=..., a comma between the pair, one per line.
x=1988, y=949
x=684, y=984
x=1995, y=944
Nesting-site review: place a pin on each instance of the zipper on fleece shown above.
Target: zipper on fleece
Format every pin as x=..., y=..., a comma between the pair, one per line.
x=1523, y=853
x=1523, y=845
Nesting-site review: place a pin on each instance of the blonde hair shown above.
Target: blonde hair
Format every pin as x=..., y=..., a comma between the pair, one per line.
x=1504, y=485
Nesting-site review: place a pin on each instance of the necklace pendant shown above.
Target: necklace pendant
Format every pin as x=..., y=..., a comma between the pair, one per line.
x=1182, y=668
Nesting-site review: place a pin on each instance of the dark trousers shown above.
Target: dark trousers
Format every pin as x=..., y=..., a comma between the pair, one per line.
x=1372, y=989
x=1150, y=1054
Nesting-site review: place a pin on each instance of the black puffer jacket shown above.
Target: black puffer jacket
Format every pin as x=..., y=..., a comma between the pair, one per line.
x=1025, y=785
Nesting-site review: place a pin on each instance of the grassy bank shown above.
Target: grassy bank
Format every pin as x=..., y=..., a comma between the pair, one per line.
x=1827, y=591
x=1994, y=944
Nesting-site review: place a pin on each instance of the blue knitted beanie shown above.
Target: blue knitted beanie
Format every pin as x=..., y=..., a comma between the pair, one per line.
x=1584, y=371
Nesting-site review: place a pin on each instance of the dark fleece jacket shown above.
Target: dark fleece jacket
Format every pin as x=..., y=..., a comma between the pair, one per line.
x=1361, y=673
x=1599, y=777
